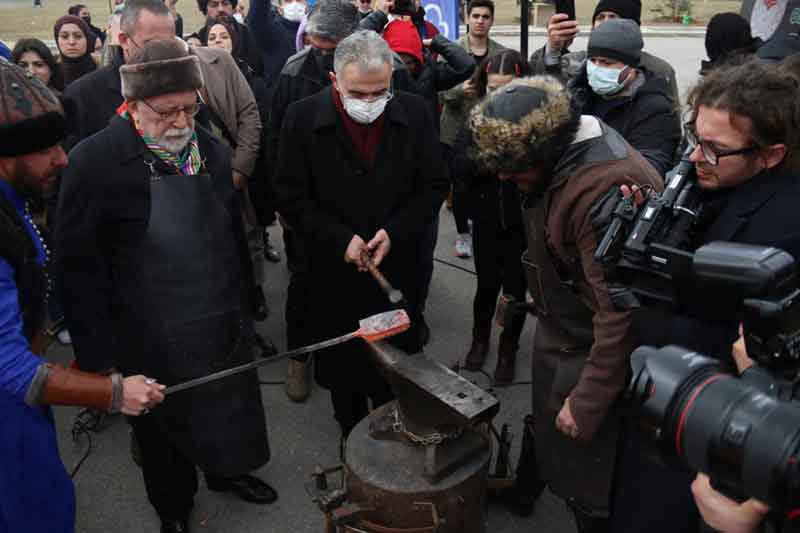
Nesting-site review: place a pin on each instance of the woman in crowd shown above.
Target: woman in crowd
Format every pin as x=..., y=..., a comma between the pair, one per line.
x=35, y=57
x=72, y=37
x=498, y=235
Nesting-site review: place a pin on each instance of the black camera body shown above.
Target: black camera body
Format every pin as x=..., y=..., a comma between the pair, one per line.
x=647, y=248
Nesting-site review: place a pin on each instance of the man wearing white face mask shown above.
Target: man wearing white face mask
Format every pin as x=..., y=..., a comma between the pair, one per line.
x=374, y=183
x=613, y=86
x=275, y=29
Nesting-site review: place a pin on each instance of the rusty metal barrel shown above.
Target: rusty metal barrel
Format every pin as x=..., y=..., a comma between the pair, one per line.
x=387, y=478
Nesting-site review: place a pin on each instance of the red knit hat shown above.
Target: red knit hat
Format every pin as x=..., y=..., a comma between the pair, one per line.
x=403, y=37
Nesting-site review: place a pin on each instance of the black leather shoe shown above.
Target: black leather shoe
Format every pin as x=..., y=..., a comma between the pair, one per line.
x=248, y=488
x=174, y=526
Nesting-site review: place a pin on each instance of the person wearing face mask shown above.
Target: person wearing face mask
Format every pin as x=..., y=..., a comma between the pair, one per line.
x=556, y=59
x=150, y=232
x=82, y=11
x=616, y=88
x=430, y=76
x=372, y=187
x=275, y=29
x=72, y=37
x=250, y=52
x=305, y=74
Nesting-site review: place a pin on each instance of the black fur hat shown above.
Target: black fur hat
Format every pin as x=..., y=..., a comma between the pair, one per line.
x=160, y=67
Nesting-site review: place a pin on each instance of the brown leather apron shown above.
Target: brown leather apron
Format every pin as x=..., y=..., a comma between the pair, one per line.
x=581, y=473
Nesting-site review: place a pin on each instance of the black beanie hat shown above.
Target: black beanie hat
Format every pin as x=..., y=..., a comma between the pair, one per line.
x=726, y=33
x=626, y=9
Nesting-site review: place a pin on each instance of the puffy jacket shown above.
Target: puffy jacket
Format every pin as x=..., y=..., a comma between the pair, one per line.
x=646, y=116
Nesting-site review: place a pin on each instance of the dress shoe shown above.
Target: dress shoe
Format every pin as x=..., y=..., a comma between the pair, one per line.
x=476, y=355
x=174, y=526
x=248, y=488
x=298, y=385
x=506, y=361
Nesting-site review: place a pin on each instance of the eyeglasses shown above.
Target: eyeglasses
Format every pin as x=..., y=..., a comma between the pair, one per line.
x=711, y=155
x=173, y=114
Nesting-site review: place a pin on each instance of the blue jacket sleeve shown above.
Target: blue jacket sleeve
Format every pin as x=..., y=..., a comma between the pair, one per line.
x=17, y=364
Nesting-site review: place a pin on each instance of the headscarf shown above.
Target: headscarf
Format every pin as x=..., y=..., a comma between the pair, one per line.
x=74, y=68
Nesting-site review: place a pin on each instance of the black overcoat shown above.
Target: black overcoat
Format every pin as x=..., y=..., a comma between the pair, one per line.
x=328, y=193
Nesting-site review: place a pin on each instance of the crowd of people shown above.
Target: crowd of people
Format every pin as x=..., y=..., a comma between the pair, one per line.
x=349, y=124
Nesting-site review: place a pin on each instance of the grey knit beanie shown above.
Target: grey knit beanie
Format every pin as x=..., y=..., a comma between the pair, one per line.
x=619, y=39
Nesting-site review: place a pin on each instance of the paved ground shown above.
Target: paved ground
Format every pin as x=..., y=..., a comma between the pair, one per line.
x=109, y=487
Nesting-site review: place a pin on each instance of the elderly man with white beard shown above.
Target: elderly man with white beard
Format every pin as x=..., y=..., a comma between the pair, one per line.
x=155, y=268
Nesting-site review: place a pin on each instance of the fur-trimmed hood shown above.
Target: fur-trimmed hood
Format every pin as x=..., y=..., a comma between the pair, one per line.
x=518, y=124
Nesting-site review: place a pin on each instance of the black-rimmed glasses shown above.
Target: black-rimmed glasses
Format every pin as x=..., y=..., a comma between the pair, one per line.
x=711, y=155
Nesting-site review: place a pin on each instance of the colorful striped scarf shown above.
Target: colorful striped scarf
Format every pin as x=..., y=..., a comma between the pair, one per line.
x=187, y=162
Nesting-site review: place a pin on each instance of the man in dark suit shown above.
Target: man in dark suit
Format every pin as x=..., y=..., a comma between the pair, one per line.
x=745, y=129
x=373, y=185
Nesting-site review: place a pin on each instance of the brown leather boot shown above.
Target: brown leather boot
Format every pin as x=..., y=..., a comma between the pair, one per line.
x=478, y=351
x=506, y=360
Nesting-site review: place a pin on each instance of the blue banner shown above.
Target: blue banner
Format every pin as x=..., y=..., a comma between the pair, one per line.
x=444, y=15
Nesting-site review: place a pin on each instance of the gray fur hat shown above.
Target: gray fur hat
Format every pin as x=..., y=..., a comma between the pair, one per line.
x=160, y=67
x=526, y=123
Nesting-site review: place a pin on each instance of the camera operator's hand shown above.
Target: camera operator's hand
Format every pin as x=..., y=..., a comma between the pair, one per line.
x=565, y=422
x=724, y=514
x=638, y=194
x=739, y=353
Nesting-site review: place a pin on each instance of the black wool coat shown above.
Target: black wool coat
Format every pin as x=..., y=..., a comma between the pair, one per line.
x=327, y=193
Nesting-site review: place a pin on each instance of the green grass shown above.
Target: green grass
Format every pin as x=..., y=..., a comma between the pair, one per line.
x=23, y=20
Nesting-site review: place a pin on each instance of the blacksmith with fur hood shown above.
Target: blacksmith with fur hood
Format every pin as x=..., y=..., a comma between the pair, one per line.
x=151, y=240
x=530, y=132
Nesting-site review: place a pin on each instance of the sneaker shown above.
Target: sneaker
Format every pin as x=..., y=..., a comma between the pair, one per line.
x=464, y=245
x=64, y=337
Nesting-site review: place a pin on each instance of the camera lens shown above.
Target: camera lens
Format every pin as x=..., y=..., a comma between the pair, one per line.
x=735, y=430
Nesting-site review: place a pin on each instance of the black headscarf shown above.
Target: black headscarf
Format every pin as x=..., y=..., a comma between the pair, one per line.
x=727, y=35
x=75, y=67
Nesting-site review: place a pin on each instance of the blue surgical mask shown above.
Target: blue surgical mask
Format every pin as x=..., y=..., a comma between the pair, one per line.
x=604, y=80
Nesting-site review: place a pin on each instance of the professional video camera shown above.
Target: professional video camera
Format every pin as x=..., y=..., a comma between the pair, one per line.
x=743, y=432
x=647, y=248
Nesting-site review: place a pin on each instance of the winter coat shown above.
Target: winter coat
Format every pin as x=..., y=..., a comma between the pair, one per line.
x=646, y=117
x=572, y=63
x=456, y=106
x=454, y=65
x=582, y=343
x=761, y=211
x=328, y=194
x=488, y=199
x=300, y=78
x=275, y=36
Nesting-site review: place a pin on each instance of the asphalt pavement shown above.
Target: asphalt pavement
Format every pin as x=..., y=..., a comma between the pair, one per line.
x=109, y=487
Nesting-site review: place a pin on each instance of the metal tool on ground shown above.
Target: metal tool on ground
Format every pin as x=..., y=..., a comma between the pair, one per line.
x=418, y=464
x=371, y=329
x=395, y=296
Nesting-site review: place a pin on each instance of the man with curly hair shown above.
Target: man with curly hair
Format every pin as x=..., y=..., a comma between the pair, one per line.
x=570, y=168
